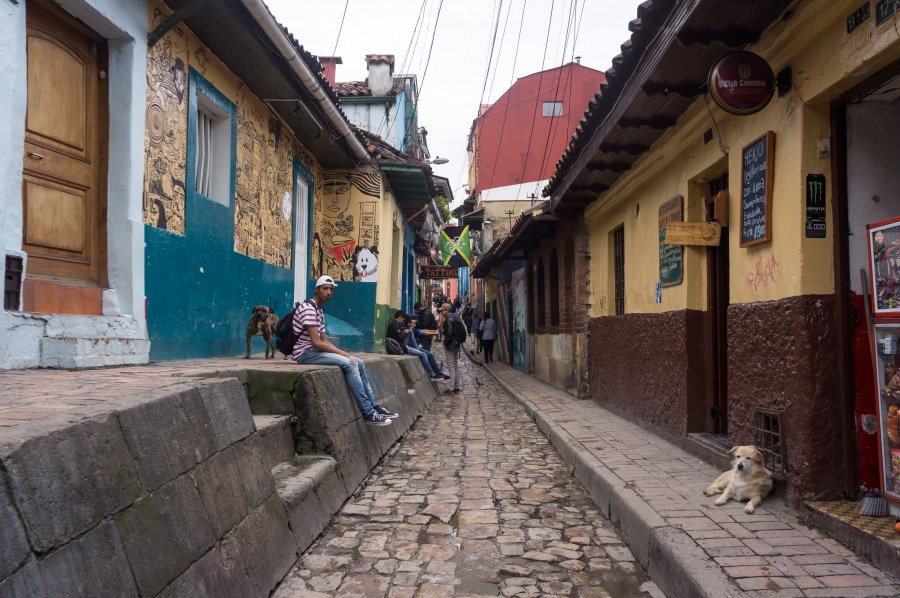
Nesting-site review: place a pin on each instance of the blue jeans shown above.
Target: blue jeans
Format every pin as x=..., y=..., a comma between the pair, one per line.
x=427, y=358
x=354, y=372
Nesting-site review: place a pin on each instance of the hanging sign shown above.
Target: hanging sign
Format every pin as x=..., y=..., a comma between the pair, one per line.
x=429, y=272
x=741, y=83
x=815, y=206
x=671, y=257
x=694, y=233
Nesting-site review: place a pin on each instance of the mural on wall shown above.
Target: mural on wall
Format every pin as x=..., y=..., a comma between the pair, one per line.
x=520, y=334
x=165, y=138
x=762, y=273
x=266, y=150
x=345, y=237
x=265, y=165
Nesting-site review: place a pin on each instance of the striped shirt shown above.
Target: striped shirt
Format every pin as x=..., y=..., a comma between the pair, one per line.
x=306, y=315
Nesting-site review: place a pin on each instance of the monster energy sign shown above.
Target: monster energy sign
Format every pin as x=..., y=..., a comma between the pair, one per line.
x=815, y=206
x=456, y=247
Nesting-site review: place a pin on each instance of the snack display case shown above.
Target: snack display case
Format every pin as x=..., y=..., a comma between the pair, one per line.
x=884, y=276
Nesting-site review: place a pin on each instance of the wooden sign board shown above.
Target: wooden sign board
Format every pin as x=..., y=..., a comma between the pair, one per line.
x=671, y=257
x=757, y=179
x=429, y=272
x=694, y=233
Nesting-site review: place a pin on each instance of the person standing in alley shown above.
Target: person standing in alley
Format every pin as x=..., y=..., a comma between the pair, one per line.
x=313, y=348
x=453, y=330
x=427, y=321
x=475, y=330
x=488, y=334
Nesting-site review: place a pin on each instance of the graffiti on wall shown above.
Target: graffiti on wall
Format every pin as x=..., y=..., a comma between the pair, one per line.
x=266, y=150
x=165, y=139
x=763, y=273
x=345, y=239
x=520, y=335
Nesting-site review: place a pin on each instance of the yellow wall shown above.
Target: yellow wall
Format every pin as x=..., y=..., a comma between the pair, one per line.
x=388, y=291
x=346, y=226
x=826, y=61
x=265, y=148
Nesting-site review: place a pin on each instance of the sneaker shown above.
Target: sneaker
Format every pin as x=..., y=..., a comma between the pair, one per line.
x=456, y=391
x=445, y=376
x=386, y=413
x=450, y=391
x=376, y=419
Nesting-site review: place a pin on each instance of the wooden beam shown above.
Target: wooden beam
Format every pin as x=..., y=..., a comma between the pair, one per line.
x=685, y=89
x=593, y=188
x=633, y=148
x=733, y=37
x=609, y=165
x=655, y=122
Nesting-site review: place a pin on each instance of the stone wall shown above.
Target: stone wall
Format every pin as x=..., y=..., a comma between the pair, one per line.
x=187, y=488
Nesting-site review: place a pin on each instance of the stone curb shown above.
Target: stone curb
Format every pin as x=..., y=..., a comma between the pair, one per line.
x=670, y=556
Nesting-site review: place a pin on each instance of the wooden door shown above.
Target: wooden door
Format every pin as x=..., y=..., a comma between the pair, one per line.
x=718, y=298
x=64, y=174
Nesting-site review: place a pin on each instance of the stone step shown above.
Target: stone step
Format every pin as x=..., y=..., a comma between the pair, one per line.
x=87, y=352
x=276, y=437
x=312, y=490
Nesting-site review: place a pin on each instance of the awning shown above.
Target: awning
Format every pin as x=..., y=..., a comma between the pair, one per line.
x=473, y=220
x=661, y=71
x=412, y=187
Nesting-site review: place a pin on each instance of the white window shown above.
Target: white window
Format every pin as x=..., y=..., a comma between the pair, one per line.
x=553, y=109
x=213, y=164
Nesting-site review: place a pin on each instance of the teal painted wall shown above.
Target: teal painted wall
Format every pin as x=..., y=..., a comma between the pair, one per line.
x=200, y=293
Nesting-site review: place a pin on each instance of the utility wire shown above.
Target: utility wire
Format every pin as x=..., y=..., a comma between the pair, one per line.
x=425, y=71
x=508, y=98
x=487, y=68
x=536, y=100
x=570, y=26
x=407, y=58
x=341, y=28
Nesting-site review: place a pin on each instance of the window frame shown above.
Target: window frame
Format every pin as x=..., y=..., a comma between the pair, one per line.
x=617, y=238
x=556, y=109
x=203, y=96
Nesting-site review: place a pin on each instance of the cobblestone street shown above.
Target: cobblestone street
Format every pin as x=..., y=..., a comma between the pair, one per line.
x=473, y=501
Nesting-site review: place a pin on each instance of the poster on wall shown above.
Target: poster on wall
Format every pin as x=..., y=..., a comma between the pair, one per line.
x=520, y=323
x=671, y=257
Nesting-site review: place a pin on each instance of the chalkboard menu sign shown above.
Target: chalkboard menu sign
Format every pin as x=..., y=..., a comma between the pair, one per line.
x=757, y=176
x=671, y=257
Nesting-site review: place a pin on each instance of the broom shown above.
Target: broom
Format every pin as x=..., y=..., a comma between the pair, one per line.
x=873, y=504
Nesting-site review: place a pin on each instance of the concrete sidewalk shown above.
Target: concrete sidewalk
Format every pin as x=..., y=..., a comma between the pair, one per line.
x=653, y=492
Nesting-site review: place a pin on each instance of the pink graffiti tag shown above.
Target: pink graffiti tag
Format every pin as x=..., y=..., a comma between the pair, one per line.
x=761, y=273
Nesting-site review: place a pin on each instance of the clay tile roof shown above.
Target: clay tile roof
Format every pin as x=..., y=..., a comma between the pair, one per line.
x=388, y=58
x=346, y=89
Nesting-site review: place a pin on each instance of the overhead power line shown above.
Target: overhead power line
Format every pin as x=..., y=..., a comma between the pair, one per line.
x=341, y=28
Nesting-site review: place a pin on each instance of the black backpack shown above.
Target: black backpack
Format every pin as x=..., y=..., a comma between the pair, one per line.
x=393, y=347
x=284, y=332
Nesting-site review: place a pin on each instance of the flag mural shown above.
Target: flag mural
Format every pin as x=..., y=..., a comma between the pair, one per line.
x=456, y=247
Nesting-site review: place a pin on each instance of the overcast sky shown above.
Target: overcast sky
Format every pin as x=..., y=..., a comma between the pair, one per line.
x=452, y=85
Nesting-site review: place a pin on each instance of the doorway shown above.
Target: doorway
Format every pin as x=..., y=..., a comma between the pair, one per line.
x=64, y=171
x=717, y=285
x=301, y=237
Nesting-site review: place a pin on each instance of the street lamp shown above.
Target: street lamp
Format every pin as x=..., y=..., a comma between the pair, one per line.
x=437, y=160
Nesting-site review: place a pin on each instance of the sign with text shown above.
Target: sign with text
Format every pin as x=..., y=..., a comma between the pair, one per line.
x=694, y=233
x=671, y=257
x=858, y=17
x=884, y=9
x=815, y=206
x=437, y=272
x=741, y=83
x=757, y=178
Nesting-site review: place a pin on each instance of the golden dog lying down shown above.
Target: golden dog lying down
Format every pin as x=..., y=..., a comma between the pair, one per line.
x=748, y=479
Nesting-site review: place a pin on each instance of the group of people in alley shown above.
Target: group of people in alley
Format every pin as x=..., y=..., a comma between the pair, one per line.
x=412, y=333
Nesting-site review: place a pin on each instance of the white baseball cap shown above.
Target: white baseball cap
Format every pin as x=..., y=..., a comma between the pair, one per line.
x=325, y=280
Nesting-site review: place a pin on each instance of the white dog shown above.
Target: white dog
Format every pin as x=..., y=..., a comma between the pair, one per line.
x=747, y=480
x=366, y=265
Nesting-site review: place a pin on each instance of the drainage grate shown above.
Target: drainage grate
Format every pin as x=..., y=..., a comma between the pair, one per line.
x=769, y=440
x=12, y=287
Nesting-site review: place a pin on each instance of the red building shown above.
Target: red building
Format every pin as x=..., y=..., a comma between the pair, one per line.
x=520, y=137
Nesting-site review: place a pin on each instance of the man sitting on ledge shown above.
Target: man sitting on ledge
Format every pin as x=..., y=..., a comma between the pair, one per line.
x=313, y=348
x=407, y=338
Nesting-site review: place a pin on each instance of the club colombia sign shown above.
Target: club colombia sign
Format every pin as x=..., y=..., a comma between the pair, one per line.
x=741, y=83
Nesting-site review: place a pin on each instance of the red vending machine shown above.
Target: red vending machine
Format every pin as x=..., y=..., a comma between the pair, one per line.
x=884, y=273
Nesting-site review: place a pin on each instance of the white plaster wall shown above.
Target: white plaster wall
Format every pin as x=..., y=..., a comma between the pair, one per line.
x=872, y=157
x=12, y=126
x=371, y=117
x=124, y=23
